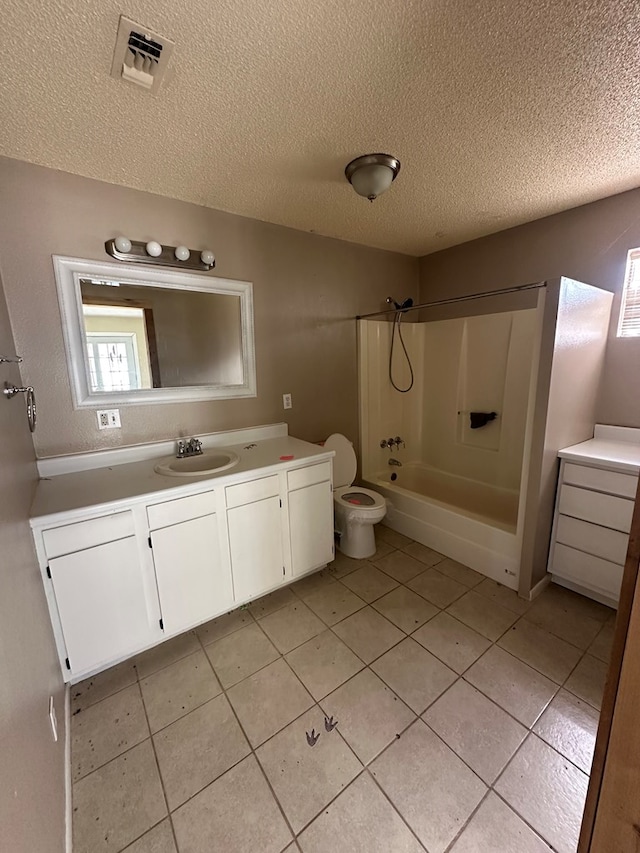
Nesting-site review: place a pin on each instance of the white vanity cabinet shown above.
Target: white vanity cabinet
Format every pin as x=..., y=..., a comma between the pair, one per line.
x=596, y=491
x=149, y=563
x=192, y=566
x=310, y=506
x=98, y=590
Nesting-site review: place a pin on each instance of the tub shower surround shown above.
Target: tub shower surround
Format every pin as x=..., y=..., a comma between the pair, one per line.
x=484, y=495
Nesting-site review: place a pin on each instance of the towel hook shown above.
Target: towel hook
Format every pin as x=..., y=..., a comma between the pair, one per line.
x=10, y=391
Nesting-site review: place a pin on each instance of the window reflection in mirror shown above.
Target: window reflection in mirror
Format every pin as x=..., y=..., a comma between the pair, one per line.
x=117, y=341
x=155, y=337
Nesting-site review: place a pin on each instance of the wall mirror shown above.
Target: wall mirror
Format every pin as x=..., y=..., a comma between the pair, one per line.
x=145, y=335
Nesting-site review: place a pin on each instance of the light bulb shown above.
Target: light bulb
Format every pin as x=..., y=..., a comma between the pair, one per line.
x=123, y=244
x=182, y=253
x=153, y=248
x=207, y=257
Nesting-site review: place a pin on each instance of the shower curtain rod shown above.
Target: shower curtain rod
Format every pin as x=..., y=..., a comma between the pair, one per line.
x=454, y=299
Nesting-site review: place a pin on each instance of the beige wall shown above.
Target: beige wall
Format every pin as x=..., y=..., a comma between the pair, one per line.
x=307, y=289
x=587, y=243
x=31, y=764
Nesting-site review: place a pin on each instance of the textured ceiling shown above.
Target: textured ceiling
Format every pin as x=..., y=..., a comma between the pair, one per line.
x=500, y=112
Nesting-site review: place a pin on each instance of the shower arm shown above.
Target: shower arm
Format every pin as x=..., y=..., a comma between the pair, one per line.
x=453, y=299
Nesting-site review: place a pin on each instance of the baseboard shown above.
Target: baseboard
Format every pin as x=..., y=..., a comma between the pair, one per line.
x=68, y=790
x=540, y=587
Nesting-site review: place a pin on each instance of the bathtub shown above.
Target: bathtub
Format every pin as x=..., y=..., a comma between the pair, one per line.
x=464, y=519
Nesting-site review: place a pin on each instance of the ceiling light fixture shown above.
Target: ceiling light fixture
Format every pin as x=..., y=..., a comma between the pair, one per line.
x=372, y=174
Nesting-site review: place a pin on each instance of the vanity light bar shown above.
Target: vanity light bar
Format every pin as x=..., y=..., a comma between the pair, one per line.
x=133, y=251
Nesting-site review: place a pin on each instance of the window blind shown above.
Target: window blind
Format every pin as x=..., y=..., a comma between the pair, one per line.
x=629, y=323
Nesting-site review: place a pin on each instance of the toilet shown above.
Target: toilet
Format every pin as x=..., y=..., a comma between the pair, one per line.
x=355, y=509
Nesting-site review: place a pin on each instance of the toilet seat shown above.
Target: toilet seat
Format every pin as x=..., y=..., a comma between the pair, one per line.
x=363, y=509
x=355, y=509
x=344, y=472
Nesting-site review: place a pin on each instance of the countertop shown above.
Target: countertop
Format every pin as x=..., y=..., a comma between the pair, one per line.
x=605, y=453
x=101, y=487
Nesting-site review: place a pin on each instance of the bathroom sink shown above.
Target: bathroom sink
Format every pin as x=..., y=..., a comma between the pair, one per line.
x=209, y=462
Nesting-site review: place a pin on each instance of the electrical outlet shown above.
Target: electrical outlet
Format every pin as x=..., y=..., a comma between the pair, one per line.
x=109, y=419
x=53, y=719
x=286, y=401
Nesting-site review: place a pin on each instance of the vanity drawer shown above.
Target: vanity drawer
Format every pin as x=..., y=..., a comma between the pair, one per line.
x=309, y=476
x=87, y=534
x=587, y=570
x=607, y=510
x=181, y=509
x=256, y=490
x=613, y=482
x=601, y=541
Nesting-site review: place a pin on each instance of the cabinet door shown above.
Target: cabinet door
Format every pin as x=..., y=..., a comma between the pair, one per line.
x=311, y=527
x=193, y=583
x=255, y=540
x=100, y=597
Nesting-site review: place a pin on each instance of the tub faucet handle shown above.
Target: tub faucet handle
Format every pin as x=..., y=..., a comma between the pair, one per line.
x=386, y=442
x=398, y=441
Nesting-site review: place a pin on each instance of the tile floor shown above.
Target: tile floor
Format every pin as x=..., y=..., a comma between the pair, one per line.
x=404, y=703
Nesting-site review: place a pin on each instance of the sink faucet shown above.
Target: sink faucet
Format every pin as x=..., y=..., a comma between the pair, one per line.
x=188, y=447
x=396, y=462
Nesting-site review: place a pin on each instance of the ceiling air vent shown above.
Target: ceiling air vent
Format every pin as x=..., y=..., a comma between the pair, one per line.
x=140, y=56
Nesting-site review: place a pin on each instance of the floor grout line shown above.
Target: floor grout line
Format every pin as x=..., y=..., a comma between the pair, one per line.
x=256, y=759
x=125, y=751
x=468, y=821
x=393, y=806
x=155, y=755
x=320, y=703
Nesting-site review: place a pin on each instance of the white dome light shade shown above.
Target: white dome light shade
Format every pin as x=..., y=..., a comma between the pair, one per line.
x=207, y=257
x=153, y=248
x=182, y=253
x=372, y=174
x=372, y=181
x=123, y=244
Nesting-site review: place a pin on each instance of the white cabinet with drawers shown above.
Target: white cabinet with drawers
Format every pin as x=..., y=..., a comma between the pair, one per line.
x=596, y=490
x=125, y=575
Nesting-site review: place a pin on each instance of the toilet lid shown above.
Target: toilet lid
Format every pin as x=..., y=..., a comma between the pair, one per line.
x=344, y=462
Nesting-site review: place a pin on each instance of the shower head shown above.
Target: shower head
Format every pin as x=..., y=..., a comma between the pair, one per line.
x=408, y=303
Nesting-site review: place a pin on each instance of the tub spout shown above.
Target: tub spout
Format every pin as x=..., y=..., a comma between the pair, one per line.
x=395, y=462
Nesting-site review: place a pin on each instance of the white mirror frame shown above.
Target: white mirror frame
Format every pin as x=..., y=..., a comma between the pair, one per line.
x=69, y=271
